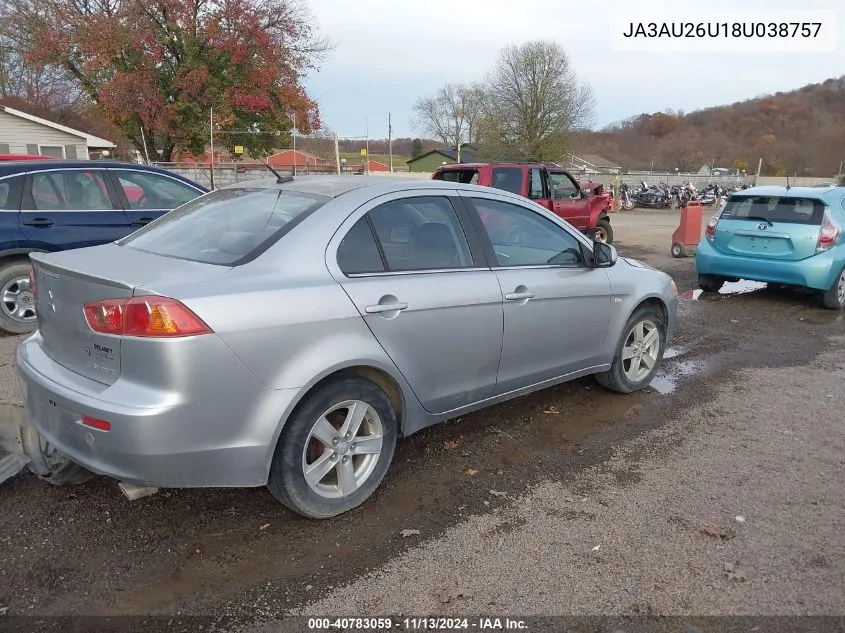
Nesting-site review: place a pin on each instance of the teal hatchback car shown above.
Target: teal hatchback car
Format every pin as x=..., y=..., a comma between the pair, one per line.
x=782, y=235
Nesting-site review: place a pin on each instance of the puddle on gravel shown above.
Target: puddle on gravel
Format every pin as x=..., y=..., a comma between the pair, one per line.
x=667, y=379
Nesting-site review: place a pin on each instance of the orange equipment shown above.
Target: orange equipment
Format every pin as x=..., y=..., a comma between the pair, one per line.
x=686, y=237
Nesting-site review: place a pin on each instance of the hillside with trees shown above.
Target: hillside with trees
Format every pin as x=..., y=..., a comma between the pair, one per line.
x=798, y=132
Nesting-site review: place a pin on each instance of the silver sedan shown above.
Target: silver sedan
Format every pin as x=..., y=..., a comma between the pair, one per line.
x=286, y=332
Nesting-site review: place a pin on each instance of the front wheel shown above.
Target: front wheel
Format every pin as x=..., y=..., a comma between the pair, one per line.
x=638, y=354
x=627, y=204
x=604, y=232
x=335, y=449
x=834, y=297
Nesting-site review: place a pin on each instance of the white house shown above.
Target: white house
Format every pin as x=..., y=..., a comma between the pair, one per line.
x=22, y=133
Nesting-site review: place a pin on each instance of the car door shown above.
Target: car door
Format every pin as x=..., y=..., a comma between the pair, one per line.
x=70, y=208
x=569, y=201
x=147, y=195
x=412, y=266
x=556, y=307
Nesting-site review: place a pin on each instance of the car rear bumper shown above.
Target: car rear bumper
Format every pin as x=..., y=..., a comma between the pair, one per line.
x=172, y=440
x=817, y=272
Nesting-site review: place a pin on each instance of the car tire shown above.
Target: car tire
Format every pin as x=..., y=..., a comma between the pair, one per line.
x=624, y=375
x=834, y=297
x=678, y=250
x=603, y=228
x=14, y=284
x=299, y=448
x=710, y=283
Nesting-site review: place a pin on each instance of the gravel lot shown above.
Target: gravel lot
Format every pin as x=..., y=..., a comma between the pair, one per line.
x=582, y=501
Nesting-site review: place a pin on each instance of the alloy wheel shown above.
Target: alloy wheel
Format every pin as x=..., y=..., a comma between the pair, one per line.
x=342, y=449
x=641, y=351
x=17, y=300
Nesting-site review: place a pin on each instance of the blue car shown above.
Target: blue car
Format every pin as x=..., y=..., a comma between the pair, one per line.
x=54, y=205
x=782, y=235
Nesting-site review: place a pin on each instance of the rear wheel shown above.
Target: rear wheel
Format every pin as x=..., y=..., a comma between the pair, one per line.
x=638, y=354
x=604, y=232
x=335, y=449
x=17, y=303
x=834, y=297
x=710, y=283
x=678, y=250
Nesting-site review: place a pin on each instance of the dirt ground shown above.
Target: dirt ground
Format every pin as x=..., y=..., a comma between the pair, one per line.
x=569, y=501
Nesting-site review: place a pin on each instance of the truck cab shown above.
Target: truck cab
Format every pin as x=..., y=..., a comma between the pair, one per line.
x=584, y=207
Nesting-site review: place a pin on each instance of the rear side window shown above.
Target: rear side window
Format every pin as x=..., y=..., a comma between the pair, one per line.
x=508, y=179
x=152, y=191
x=10, y=193
x=464, y=176
x=775, y=209
x=358, y=252
x=226, y=227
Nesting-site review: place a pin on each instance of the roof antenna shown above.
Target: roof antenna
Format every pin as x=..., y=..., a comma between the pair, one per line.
x=787, y=182
x=279, y=178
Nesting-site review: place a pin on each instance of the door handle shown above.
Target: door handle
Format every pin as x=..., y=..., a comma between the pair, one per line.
x=39, y=222
x=142, y=221
x=385, y=307
x=519, y=296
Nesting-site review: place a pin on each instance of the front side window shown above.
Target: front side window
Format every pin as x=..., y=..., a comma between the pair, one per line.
x=521, y=237
x=226, y=227
x=563, y=187
x=152, y=191
x=75, y=190
x=421, y=234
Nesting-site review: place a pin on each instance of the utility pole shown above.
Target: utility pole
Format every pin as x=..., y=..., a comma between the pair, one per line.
x=839, y=173
x=211, y=128
x=390, y=143
x=759, y=167
x=336, y=153
x=367, y=148
x=459, y=152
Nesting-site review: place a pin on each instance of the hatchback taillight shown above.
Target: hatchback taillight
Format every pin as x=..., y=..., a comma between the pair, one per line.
x=829, y=233
x=710, y=231
x=145, y=316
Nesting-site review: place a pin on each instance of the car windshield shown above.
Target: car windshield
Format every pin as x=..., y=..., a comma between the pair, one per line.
x=226, y=227
x=773, y=209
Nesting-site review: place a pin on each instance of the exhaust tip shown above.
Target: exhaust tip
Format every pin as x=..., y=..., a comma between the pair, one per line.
x=133, y=491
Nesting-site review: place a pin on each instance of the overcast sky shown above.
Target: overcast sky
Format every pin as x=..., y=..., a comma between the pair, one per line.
x=390, y=52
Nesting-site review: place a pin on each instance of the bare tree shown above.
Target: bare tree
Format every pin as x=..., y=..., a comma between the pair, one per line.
x=452, y=115
x=535, y=102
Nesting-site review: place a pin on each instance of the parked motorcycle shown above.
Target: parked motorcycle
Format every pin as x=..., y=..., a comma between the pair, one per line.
x=625, y=199
x=651, y=197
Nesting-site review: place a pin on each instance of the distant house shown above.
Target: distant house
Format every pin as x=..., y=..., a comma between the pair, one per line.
x=201, y=159
x=592, y=163
x=289, y=159
x=435, y=158
x=371, y=166
x=22, y=133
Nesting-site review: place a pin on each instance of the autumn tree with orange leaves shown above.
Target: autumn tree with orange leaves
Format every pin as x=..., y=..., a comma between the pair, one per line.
x=157, y=67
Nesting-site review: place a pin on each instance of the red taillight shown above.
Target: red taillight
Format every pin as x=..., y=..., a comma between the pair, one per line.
x=145, y=316
x=828, y=234
x=710, y=231
x=94, y=423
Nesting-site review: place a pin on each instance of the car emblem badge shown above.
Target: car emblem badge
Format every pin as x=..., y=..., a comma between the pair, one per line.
x=50, y=300
x=762, y=226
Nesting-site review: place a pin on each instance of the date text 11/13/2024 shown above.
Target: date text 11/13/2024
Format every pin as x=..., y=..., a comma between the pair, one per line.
x=417, y=624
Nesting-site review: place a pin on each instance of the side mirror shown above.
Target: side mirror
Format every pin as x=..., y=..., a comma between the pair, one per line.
x=604, y=255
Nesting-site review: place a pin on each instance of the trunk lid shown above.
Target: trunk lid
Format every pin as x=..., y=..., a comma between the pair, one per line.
x=66, y=281
x=770, y=227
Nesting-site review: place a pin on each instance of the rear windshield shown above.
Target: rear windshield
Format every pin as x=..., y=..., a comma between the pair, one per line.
x=774, y=209
x=465, y=176
x=227, y=227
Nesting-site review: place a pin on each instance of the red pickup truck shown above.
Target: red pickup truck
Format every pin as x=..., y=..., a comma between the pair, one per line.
x=583, y=206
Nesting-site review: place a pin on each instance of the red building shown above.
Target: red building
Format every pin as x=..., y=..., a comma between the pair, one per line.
x=289, y=159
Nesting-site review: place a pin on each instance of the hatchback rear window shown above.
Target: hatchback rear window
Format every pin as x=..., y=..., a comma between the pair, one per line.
x=227, y=227
x=786, y=210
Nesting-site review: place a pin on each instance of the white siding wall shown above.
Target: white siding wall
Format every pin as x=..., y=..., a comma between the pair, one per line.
x=17, y=133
